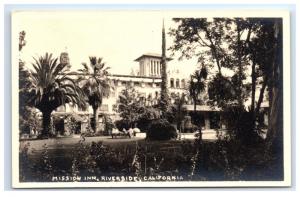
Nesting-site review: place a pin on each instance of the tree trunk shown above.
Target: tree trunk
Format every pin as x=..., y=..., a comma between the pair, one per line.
x=253, y=89
x=240, y=69
x=261, y=95
x=95, y=114
x=270, y=95
x=276, y=102
x=46, y=123
x=275, y=127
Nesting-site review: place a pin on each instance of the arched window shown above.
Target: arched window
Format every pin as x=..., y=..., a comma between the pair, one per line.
x=177, y=83
x=182, y=83
x=172, y=83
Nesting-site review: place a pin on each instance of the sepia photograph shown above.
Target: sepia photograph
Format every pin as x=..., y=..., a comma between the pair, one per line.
x=150, y=98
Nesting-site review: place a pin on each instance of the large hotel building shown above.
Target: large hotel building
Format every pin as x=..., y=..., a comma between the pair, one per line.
x=146, y=81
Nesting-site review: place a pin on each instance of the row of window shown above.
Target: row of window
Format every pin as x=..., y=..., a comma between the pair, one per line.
x=176, y=84
x=136, y=84
x=62, y=108
x=149, y=100
x=173, y=83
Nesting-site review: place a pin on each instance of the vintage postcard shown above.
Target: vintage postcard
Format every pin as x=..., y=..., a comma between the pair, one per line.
x=183, y=98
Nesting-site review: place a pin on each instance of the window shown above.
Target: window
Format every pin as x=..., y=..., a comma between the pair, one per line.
x=103, y=107
x=115, y=82
x=177, y=83
x=182, y=83
x=172, y=83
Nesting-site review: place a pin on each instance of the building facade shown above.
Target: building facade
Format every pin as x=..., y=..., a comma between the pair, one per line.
x=147, y=82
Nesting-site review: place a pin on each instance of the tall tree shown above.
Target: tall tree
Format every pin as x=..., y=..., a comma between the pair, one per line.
x=51, y=88
x=24, y=97
x=197, y=85
x=24, y=88
x=237, y=44
x=164, y=100
x=95, y=84
x=259, y=50
x=275, y=127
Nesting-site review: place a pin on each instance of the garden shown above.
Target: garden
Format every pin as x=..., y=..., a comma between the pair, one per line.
x=186, y=160
x=251, y=49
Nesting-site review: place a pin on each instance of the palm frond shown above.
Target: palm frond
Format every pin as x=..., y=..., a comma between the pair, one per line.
x=51, y=84
x=94, y=82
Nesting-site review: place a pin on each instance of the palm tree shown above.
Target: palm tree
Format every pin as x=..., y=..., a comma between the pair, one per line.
x=95, y=85
x=51, y=88
x=197, y=84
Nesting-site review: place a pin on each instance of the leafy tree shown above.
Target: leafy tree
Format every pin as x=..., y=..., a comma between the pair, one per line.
x=24, y=87
x=261, y=53
x=51, y=88
x=236, y=44
x=133, y=109
x=95, y=85
x=201, y=37
x=130, y=106
x=221, y=92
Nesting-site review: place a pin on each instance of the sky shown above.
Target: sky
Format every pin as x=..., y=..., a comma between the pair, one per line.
x=118, y=37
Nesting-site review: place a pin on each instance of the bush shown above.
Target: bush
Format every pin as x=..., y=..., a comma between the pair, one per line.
x=161, y=130
x=240, y=125
x=122, y=124
x=71, y=125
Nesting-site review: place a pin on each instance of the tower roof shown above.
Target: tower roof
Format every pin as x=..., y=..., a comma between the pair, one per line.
x=155, y=55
